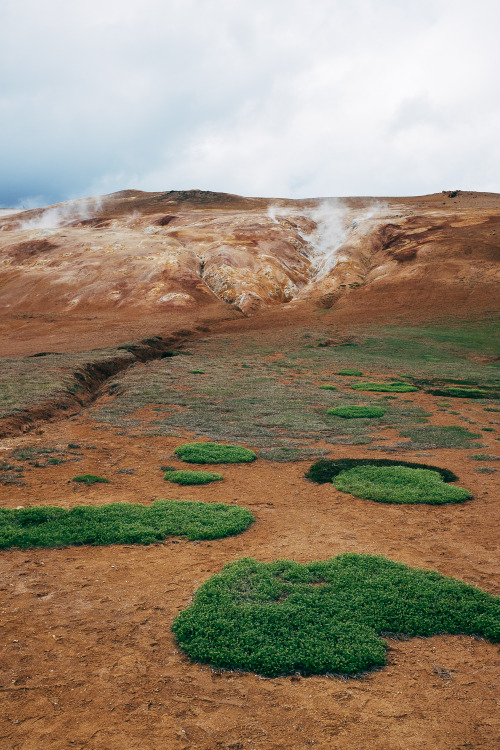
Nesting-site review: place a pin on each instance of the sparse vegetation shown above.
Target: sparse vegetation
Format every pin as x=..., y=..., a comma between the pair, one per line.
x=120, y=523
x=325, y=470
x=214, y=453
x=385, y=387
x=459, y=392
x=431, y=436
x=484, y=457
x=324, y=617
x=399, y=484
x=192, y=477
x=357, y=412
x=90, y=479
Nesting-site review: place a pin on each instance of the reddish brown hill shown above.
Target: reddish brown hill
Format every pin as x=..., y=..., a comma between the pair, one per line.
x=135, y=262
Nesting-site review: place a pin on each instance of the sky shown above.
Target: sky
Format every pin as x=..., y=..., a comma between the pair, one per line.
x=276, y=98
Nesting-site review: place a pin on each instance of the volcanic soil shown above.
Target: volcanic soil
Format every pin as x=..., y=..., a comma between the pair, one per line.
x=89, y=660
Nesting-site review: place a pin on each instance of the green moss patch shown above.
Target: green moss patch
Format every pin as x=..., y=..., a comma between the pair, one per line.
x=214, y=453
x=192, y=477
x=324, y=617
x=90, y=479
x=329, y=387
x=350, y=372
x=357, y=412
x=385, y=387
x=325, y=470
x=120, y=523
x=399, y=484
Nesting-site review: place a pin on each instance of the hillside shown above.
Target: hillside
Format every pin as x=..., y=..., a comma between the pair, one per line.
x=147, y=261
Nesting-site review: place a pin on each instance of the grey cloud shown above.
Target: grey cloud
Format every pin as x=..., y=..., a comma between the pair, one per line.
x=273, y=98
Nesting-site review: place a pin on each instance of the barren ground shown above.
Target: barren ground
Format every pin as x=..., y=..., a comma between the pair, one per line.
x=89, y=660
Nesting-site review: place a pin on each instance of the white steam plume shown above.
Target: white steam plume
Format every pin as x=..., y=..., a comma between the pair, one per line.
x=64, y=213
x=271, y=212
x=335, y=222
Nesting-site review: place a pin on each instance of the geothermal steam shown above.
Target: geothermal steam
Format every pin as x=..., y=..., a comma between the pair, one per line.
x=335, y=223
x=64, y=213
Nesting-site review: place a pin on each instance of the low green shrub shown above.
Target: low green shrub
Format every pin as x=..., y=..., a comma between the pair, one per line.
x=90, y=479
x=214, y=453
x=385, y=387
x=197, y=372
x=120, y=523
x=324, y=617
x=192, y=477
x=349, y=372
x=329, y=387
x=357, y=412
x=399, y=484
x=325, y=470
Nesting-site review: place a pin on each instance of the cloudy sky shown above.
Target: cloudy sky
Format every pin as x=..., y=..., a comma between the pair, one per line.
x=288, y=98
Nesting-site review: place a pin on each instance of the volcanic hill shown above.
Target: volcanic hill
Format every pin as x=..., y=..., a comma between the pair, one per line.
x=136, y=261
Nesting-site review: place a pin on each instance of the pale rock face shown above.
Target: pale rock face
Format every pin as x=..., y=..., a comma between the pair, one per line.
x=155, y=251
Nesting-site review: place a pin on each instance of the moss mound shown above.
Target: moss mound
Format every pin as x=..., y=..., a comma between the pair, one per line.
x=90, y=479
x=120, y=523
x=214, y=453
x=357, y=412
x=324, y=617
x=325, y=470
x=329, y=387
x=350, y=372
x=385, y=387
x=399, y=484
x=192, y=477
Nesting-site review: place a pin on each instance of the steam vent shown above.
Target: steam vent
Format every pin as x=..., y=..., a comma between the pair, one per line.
x=213, y=254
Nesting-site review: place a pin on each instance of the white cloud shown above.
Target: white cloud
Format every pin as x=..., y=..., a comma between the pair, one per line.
x=261, y=97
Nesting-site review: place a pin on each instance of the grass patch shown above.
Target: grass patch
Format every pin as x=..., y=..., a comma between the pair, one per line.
x=399, y=484
x=431, y=436
x=192, y=477
x=357, y=412
x=90, y=479
x=120, y=523
x=324, y=617
x=325, y=470
x=350, y=372
x=214, y=453
x=385, y=387
x=329, y=387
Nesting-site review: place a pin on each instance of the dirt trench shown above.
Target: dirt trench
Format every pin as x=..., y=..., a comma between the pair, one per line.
x=86, y=382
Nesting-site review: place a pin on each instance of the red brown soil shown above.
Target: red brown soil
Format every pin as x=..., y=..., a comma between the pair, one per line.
x=90, y=661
